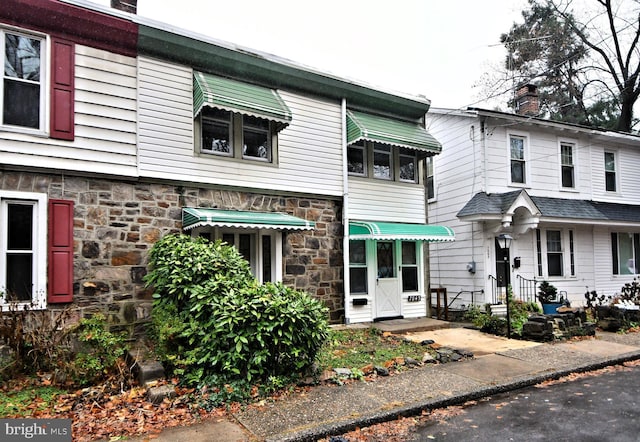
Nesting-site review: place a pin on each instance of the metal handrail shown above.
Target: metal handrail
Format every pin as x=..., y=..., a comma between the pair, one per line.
x=527, y=288
x=471, y=292
x=494, y=289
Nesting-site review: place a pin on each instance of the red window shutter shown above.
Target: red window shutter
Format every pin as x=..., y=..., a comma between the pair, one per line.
x=62, y=87
x=60, y=252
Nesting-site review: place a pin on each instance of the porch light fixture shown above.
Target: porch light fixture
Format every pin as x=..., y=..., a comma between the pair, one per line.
x=504, y=241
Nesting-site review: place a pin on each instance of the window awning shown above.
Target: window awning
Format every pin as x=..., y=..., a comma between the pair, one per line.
x=197, y=217
x=235, y=96
x=363, y=126
x=399, y=231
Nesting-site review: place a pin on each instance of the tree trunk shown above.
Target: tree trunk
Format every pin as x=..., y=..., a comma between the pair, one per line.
x=626, y=114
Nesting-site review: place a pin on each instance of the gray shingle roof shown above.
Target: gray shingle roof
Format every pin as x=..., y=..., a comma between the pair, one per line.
x=498, y=203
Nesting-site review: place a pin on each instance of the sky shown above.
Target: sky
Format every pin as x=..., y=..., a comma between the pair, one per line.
x=434, y=48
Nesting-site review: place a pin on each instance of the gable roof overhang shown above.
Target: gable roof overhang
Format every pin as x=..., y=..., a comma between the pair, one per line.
x=502, y=206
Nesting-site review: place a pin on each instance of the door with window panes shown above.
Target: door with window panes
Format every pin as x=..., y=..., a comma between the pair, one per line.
x=396, y=274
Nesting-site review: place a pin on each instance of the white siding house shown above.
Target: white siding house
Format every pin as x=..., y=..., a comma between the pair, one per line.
x=115, y=131
x=568, y=195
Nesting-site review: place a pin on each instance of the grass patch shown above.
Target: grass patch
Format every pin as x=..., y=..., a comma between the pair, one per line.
x=357, y=348
x=28, y=401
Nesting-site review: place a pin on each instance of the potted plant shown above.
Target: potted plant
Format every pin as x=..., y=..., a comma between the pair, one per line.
x=547, y=295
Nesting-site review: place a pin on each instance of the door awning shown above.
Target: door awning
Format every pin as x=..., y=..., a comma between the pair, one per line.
x=197, y=217
x=399, y=231
x=236, y=96
x=363, y=126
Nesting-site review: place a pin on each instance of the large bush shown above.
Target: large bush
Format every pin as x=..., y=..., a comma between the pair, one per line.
x=214, y=324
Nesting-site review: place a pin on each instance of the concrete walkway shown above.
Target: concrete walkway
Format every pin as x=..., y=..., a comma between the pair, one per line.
x=500, y=365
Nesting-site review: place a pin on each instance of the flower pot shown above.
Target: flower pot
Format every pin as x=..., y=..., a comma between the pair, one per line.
x=550, y=309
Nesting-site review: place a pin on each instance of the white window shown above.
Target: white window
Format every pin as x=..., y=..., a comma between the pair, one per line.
x=517, y=159
x=610, y=171
x=410, y=266
x=22, y=93
x=625, y=250
x=358, y=267
x=555, y=253
x=567, y=165
x=262, y=248
x=235, y=135
x=23, y=248
x=431, y=191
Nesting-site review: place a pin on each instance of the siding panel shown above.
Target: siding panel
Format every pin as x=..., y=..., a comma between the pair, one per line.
x=105, y=121
x=386, y=201
x=309, y=149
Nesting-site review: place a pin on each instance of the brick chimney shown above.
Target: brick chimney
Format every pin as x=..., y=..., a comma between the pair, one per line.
x=526, y=101
x=130, y=6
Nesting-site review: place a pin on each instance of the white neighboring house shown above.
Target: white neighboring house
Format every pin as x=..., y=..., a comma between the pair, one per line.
x=568, y=195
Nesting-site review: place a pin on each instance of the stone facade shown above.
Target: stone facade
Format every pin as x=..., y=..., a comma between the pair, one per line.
x=116, y=223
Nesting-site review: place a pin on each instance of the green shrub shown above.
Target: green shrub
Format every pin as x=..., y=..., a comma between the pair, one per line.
x=218, y=326
x=547, y=292
x=99, y=352
x=179, y=264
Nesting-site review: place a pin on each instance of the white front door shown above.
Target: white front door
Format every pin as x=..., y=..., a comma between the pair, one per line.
x=387, y=292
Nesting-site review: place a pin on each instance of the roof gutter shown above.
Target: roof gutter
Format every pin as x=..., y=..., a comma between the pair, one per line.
x=271, y=71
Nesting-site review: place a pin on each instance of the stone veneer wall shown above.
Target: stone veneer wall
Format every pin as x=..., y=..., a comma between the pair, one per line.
x=116, y=223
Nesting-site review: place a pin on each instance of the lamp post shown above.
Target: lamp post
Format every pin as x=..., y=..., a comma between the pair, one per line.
x=504, y=241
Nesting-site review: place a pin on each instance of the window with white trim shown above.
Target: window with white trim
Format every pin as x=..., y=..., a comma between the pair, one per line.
x=625, y=251
x=431, y=191
x=555, y=253
x=409, y=267
x=23, y=90
x=23, y=248
x=567, y=166
x=358, y=267
x=234, y=135
x=610, y=171
x=517, y=158
x=381, y=161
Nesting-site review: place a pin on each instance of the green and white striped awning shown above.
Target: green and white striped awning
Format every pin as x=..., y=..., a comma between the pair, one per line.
x=197, y=217
x=368, y=127
x=236, y=96
x=378, y=230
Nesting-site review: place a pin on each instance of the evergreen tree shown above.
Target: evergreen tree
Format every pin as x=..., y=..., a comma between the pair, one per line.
x=588, y=71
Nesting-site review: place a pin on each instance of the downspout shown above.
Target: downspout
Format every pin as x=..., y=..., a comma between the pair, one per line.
x=345, y=216
x=426, y=252
x=481, y=227
x=426, y=248
x=483, y=145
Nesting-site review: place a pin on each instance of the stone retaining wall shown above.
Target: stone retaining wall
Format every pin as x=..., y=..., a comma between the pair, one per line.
x=116, y=223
